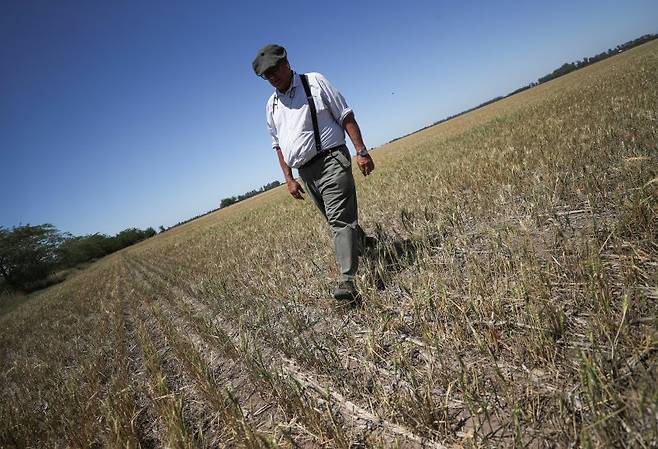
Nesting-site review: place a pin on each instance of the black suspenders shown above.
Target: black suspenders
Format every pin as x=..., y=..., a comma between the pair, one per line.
x=314, y=114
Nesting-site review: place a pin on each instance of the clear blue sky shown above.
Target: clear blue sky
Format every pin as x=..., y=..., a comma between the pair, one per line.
x=117, y=114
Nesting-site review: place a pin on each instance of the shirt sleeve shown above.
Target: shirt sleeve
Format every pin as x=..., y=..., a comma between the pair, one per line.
x=271, y=127
x=336, y=102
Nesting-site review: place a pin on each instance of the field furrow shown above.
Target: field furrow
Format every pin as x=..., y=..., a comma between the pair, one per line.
x=375, y=365
x=304, y=418
x=280, y=365
x=65, y=410
x=164, y=391
x=121, y=409
x=221, y=395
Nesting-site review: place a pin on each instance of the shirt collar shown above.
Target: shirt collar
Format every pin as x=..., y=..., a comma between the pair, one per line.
x=295, y=82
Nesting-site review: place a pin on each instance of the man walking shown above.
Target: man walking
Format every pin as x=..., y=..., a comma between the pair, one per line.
x=307, y=119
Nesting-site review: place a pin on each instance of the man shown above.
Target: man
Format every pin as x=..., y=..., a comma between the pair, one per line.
x=316, y=147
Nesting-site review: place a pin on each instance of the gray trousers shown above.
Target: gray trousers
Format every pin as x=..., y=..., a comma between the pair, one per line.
x=329, y=182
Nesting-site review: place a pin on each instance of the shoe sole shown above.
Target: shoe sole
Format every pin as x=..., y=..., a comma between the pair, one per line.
x=347, y=304
x=345, y=296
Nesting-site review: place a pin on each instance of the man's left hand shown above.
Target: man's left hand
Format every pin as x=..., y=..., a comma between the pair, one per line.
x=366, y=164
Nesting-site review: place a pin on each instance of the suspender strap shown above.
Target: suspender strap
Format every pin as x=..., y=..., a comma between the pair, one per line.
x=314, y=114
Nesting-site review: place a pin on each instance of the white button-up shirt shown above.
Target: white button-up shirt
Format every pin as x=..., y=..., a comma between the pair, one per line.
x=289, y=118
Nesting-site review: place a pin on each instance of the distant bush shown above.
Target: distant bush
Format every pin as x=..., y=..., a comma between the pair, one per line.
x=227, y=202
x=235, y=199
x=30, y=254
x=76, y=250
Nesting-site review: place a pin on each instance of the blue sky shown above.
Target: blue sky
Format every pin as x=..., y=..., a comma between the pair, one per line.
x=145, y=113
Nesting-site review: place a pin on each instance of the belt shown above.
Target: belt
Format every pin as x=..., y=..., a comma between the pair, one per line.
x=321, y=155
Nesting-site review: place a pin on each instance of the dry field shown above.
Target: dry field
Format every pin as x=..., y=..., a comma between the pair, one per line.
x=512, y=301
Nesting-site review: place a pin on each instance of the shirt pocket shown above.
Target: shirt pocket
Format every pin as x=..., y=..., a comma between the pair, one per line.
x=318, y=99
x=321, y=111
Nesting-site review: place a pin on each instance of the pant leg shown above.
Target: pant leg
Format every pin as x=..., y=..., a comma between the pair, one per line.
x=330, y=184
x=309, y=178
x=336, y=185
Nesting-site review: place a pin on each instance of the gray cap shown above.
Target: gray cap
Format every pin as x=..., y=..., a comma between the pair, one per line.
x=267, y=57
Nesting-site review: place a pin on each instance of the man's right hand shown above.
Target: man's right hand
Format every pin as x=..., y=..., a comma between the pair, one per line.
x=295, y=189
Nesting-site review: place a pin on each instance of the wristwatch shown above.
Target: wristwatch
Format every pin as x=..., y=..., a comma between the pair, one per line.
x=362, y=152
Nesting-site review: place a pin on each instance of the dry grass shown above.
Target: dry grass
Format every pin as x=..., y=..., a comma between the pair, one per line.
x=511, y=301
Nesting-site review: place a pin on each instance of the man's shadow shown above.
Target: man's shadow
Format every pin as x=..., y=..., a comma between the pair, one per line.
x=384, y=255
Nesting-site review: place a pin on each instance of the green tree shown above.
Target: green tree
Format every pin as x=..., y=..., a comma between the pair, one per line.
x=227, y=202
x=76, y=250
x=28, y=253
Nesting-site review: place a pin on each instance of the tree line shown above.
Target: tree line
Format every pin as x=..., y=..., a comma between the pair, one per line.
x=571, y=66
x=235, y=199
x=560, y=71
x=227, y=202
x=29, y=255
